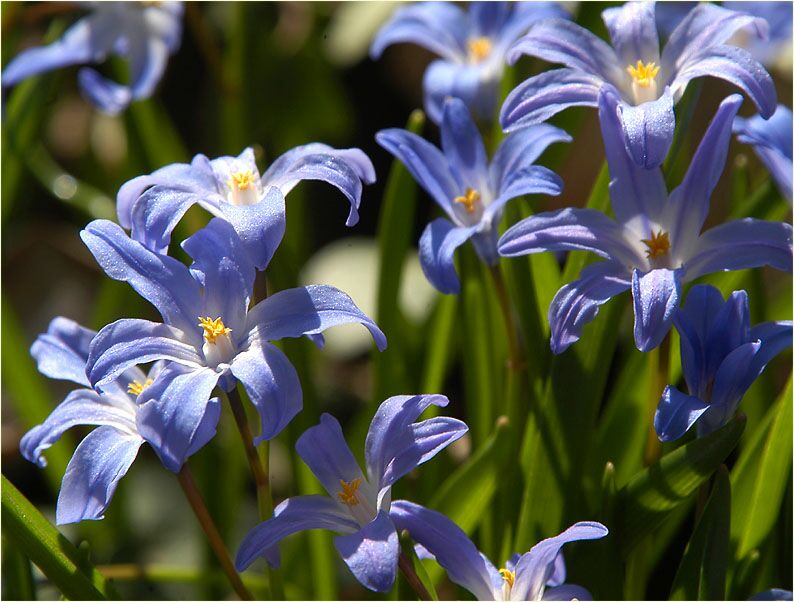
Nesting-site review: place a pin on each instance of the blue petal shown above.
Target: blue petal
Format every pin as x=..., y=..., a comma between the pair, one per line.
x=62, y=351
x=221, y=264
x=93, y=473
x=163, y=281
x=175, y=411
x=425, y=162
x=371, y=553
x=345, y=169
x=544, y=95
x=155, y=215
x=108, y=96
x=689, y=202
x=735, y=375
x=196, y=177
x=477, y=85
x=534, y=179
x=83, y=42
x=536, y=566
x=436, y=249
x=560, y=41
x=125, y=343
x=488, y=18
x=649, y=129
x=272, y=385
x=307, y=310
x=449, y=544
x=735, y=65
x=772, y=594
x=83, y=406
x=558, y=574
x=260, y=226
x=741, y=244
x=632, y=29
x=676, y=413
x=148, y=59
x=772, y=142
x=576, y=304
x=524, y=15
x=729, y=329
x=705, y=26
x=521, y=149
x=463, y=147
x=291, y=516
x=656, y=294
x=440, y=27
x=324, y=450
x=396, y=445
x=567, y=592
x=636, y=194
x=569, y=229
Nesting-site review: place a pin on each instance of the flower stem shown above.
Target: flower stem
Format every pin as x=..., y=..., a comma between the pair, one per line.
x=197, y=503
x=411, y=577
x=660, y=377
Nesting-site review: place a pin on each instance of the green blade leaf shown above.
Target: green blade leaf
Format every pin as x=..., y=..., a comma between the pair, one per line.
x=760, y=479
x=17, y=575
x=394, y=238
x=646, y=501
x=55, y=555
x=701, y=574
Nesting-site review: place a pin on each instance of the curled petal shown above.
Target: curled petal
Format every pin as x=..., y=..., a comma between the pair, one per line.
x=568, y=591
x=534, y=179
x=436, y=250
x=371, y=553
x=307, y=310
x=521, y=149
x=292, y=516
x=656, y=294
x=62, y=351
x=93, y=473
x=272, y=385
x=108, y=96
x=676, y=414
x=576, y=304
x=648, y=129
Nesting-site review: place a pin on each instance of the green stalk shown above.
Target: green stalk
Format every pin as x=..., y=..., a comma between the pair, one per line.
x=660, y=378
x=202, y=514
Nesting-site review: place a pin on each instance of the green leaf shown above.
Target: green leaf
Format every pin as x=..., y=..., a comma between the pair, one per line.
x=646, y=501
x=26, y=391
x=466, y=495
x=395, y=228
x=17, y=575
x=760, y=478
x=701, y=574
x=55, y=555
x=439, y=344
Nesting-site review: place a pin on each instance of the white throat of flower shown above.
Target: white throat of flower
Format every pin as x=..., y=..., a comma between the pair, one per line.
x=643, y=81
x=357, y=503
x=218, y=346
x=243, y=188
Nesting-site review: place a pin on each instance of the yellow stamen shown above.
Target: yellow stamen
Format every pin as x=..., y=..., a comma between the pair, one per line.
x=213, y=328
x=643, y=75
x=479, y=49
x=348, y=493
x=137, y=388
x=658, y=244
x=469, y=200
x=508, y=576
x=242, y=180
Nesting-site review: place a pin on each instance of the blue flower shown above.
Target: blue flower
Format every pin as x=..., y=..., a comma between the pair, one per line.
x=471, y=191
x=773, y=594
x=775, y=51
x=358, y=506
x=208, y=333
x=647, y=83
x=105, y=454
x=721, y=356
x=524, y=577
x=231, y=188
x=144, y=33
x=472, y=46
x=772, y=141
x=655, y=244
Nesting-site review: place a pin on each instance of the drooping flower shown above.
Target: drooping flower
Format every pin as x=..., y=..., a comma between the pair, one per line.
x=772, y=142
x=648, y=84
x=524, y=577
x=143, y=33
x=470, y=190
x=472, y=47
x=721, y=356
x=105, y=454
x=208, y=333
x=655, y=243
x=775, y=51
x=358, y=506
x=231, y=188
